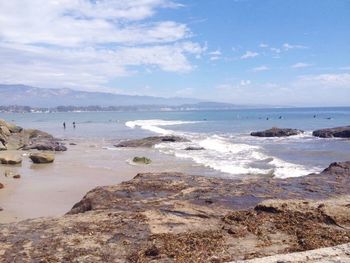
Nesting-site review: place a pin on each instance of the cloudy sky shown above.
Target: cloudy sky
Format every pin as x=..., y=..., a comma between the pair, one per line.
x=290, y=52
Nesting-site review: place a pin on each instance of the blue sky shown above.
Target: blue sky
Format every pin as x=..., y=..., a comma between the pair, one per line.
x=290, y=52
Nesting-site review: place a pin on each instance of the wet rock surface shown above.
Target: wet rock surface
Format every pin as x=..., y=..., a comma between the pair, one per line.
x=173, y=217
x=277, y=132
x=149, y=142
x=339, y=132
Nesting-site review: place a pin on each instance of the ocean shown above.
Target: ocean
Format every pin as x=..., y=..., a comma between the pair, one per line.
x=225, y=136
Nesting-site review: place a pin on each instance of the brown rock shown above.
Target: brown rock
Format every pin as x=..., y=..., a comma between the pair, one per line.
x=42, y=157
x=10, y=159
x=165, y=217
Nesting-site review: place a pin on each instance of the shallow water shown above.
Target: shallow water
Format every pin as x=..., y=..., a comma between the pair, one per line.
x=224, y=134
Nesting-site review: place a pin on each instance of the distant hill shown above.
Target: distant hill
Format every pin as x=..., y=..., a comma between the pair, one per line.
x=40, y=97
x=14, y=97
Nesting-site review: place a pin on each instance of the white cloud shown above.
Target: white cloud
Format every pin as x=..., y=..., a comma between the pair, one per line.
x=215, y=55
x=276, y=50
x=245, y=82
x=288, y=46
x=325, y=80
x=263, y=45
x=83, y=43
x=261, y=68
x=301, y=65
x=249, y=54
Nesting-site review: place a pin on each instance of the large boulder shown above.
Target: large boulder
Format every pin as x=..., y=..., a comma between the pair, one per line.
x=277, y=132
x=42, y=157
x=42, y=141
x=340, y=132
x=151, y=141
x=10, y=159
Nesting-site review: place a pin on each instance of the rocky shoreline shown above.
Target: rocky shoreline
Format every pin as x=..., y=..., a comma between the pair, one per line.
x=173, y=217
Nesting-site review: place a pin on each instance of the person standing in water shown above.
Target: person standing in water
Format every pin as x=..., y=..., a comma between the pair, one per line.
x=64, y=125
x=74, y=124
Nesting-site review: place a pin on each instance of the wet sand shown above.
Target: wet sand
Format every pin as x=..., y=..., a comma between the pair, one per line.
x=52, y=189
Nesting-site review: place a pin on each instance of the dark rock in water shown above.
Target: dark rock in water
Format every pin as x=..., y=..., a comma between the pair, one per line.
x=72, y=143
x=151, y=141
x=1, y=186
x=143, y=160
x=277, y=132
x=174, y=217
x=194, y=148
x=16, y=176
x=340, y=132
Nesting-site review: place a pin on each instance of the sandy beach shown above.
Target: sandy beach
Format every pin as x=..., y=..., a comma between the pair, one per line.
x=52, y=189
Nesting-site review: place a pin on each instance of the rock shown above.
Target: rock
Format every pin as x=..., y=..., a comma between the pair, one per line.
x=10, y=159
x=194, y=148
x=277, y=132
x=340, y=132
x=151, y=141
x=16, y=176
x=142, y=160
x=72, y=143
x=42, y=157
x=174, y=217
x=14, y=128
x=45, y=146
x=4, y=130
x=1, y=186
x=2, y=147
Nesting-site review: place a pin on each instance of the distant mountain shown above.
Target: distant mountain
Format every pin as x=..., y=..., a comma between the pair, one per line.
x=40, y=97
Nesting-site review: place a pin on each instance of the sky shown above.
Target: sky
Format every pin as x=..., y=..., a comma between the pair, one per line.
x=270, y=52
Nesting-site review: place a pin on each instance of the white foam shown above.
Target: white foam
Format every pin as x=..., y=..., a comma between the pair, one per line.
x=224, y=153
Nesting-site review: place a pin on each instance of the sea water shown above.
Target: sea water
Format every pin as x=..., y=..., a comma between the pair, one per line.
x=225, y=136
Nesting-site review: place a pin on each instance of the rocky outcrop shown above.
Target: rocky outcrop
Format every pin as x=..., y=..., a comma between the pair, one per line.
x=6, y=158
x=42, y=157
x=277, y=132
x=339, y=132
x=42, y=141
x=142, y=160
x=173, y=217
x=151, y=141
x=13, y=137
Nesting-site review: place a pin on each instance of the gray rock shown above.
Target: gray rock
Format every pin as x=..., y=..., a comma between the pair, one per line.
x=339, y=132
x=151, y=141
x=194, y=148
x=277, y=132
